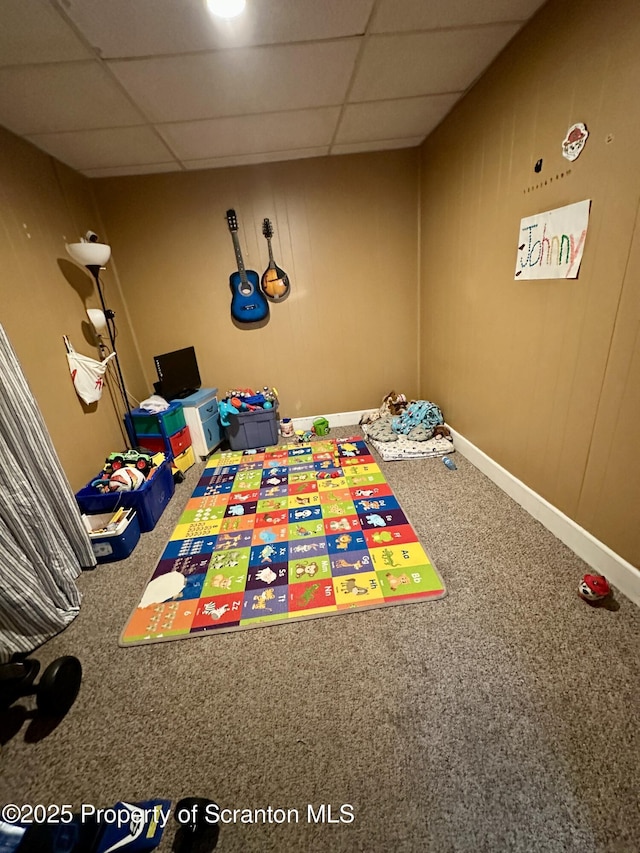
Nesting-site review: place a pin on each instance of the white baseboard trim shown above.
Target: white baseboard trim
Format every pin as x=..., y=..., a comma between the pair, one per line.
x=338, y=419
x=622, y=574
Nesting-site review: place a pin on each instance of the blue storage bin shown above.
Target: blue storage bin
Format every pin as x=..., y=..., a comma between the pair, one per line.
x=148, y=501
x=249, y=430
x=109, y=546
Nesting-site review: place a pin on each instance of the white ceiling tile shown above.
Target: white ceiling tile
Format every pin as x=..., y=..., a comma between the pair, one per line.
x=402, y=15
x=381, y=145
x=253, y=159
x=397, y=66
x=144, y=169
x=94, y=149
x=255, y=134
x=124, y=28
x=236, y=82
x=393, y=119
x=33, y=31
x=67, y=96
x=135, y=86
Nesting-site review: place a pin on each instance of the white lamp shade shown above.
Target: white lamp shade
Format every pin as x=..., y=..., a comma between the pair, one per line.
x=98, y=321
x=90, y=254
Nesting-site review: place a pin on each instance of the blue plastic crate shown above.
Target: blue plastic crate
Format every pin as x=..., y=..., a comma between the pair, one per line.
x=149, y=501
x=252, y=429
x=117, y=544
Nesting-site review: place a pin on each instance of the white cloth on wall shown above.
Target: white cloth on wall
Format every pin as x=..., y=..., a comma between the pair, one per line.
x=87, y=373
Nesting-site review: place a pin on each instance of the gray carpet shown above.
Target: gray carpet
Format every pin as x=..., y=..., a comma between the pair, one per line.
x=501, y=718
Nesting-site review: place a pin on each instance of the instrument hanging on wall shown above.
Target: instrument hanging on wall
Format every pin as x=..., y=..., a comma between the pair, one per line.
x=275, y=282
x=248, y=305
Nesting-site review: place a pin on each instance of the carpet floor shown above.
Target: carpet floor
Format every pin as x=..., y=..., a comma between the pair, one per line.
x=502, y=718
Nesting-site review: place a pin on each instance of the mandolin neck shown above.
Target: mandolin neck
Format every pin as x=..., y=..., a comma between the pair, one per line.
x=272, y=263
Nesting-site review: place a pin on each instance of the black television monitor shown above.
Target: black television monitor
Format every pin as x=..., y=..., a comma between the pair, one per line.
x=178, y=374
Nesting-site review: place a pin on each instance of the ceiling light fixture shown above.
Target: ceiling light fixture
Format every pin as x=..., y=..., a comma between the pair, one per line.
x=226, y=8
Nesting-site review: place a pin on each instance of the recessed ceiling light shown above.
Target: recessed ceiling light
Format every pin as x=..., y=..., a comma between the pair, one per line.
x=226, y=8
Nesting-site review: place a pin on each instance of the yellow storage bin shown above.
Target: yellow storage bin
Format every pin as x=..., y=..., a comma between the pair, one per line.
x=185, y=460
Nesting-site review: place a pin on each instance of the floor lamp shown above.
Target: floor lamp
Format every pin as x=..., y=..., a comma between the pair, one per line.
x=94, y=255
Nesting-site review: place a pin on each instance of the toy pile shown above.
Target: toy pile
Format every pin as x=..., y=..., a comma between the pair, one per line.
x=127, y=471
x=246, y=400
x=319, y=428
x=407, y=430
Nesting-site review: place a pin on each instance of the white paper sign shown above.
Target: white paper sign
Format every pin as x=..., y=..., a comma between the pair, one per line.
x=550, y=244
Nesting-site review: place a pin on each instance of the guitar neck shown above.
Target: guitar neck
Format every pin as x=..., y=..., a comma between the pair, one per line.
x=239, y=261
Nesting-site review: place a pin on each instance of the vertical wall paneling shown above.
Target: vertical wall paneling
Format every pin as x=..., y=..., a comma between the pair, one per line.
x=542, y=375
x=43, y=296
x=345, y=231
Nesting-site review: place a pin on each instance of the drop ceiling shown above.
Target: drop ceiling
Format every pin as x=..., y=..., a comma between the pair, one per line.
x=118, y=87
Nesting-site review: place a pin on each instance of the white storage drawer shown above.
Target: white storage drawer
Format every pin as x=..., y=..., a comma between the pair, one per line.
x=208, y=410
x=201, y=416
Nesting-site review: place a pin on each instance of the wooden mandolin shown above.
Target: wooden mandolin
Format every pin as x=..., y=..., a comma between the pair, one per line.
x=275, y=282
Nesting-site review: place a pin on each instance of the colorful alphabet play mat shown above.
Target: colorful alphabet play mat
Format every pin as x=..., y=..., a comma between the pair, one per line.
x=283, y=533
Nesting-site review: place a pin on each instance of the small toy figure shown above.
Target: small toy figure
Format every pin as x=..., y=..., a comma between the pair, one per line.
x=593, y=588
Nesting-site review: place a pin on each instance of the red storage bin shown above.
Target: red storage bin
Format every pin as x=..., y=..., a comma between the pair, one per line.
x=178, y=442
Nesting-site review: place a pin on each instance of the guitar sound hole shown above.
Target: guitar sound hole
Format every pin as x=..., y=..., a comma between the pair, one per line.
x=246, y=289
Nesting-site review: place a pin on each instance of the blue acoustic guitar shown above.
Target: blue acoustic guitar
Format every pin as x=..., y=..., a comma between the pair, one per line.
x=248, y=304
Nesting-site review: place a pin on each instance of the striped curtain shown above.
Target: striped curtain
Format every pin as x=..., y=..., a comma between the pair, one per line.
x=43, y=543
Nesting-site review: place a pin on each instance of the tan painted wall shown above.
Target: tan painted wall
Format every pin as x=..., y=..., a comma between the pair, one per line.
x=544, y=376
x=43, y=295
x=345, y=232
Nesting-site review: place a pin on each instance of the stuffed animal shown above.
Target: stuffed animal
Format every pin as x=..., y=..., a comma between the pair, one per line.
x=393, y=404
x=593, y=588
x=441, y=431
